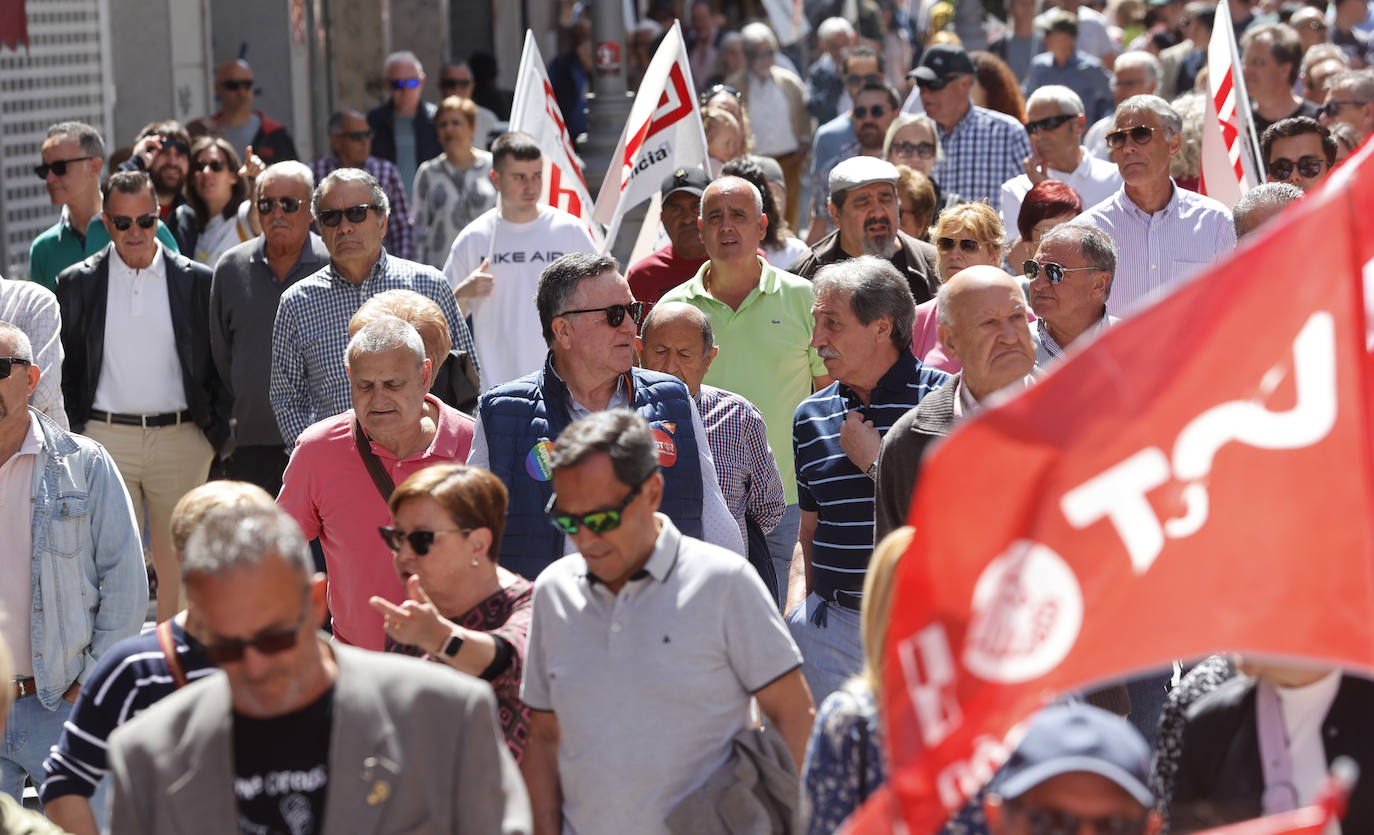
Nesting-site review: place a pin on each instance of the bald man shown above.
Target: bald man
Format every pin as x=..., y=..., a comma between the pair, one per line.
x=243, y=126
x=994, y=357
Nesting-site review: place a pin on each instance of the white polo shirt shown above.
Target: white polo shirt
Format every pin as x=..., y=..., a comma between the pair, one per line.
x=139, y=372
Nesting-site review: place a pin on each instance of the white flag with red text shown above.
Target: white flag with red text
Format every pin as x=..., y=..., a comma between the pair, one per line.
x=535, y=112
x=664, y=133
x=1231, y=162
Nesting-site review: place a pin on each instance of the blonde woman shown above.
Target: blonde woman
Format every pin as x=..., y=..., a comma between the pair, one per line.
x=968, y=235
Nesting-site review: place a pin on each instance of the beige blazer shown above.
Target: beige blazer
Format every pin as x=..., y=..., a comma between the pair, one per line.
x=792, y=88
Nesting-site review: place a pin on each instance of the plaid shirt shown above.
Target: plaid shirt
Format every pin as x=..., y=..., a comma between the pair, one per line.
x=310, y=336
x=398, y=240
x=983, y=151
x=748, y=475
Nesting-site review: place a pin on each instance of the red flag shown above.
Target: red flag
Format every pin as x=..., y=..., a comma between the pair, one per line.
x=1205, y=467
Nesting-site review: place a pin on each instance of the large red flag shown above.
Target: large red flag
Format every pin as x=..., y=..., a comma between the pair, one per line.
x=1200, y=480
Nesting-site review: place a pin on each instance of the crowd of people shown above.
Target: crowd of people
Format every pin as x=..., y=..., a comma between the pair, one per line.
x=598, y=549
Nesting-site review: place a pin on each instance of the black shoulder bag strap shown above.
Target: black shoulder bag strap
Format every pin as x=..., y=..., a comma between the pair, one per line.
x=385, y=485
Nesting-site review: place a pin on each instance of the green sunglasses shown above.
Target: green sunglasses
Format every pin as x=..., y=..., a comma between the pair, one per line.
x=598, y=521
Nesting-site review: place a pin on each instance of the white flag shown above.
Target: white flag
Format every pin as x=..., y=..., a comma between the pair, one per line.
x=1230, y=149
x=664, y=133
x=535, y=112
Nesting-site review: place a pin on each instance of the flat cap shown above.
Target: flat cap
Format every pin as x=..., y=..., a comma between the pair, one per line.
x=860, y=171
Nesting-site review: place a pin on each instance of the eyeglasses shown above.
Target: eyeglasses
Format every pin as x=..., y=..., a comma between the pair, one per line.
x=123, y=222
x=403, y=83
x=1139, y=134
x=1053, y=272
x=938, y=84
x=244, y=84
x=355, y=135
x=230, y=650
x=1308, y=166
x=1057, y=822
x=876, y=111
x=1329, y=110
x=7, y=365
x=968, y=245
x=1052, y=123
x=924, y=150
x=355, y=214
x=290, y=205
x=615, y=314
x=420, y=541
x=212, y=165
x=717, y=89
x=856, y=80
x=57, y=166
x=598, y=521
x=455, y=83
x=171, y=143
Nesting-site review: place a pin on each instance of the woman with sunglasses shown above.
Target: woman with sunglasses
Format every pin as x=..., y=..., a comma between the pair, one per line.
x=968, y=235
x=455, y=187
x=464, y=609
x=913, y=141
x=217, y=214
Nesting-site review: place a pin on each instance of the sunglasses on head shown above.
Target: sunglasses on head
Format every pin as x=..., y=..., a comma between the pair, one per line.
x=924, y=150
x=455, y=83
x=403, y=83
x=123, y=222
x=230, y=650
x=355, y=214
x=1057, y=822
x=717, y=89
x=876, y=111
x=420, y=541
x=615, y=314
x=856, y=80
x=209, y=165
x=968, y=245
x=1052, y=123
x=170, y=143
x=7, y=365
x=1308, y=166
x=237, y=84
x=1329, y=110
x=1053, y=272
x=598, y=521
x=290, y=205
x=1139, y=134
x=57, y=166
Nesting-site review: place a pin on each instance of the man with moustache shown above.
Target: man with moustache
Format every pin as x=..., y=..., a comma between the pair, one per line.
x=661, y=271
x=875, y=108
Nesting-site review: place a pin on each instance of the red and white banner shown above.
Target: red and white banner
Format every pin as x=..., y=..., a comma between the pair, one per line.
x=664, y=133
x=1199, y=480
x=535, y=111
x=1231, y=163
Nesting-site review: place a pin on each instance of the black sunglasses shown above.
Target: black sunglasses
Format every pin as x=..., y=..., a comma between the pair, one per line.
x=229, y=650
x=355, y=214
x=290, y=205
x=454, y=83
x=1329, y=110
x=420, y=541
x=924, y=150
x=1057, y=822
x=403, y=83
x=968, y=245
x=876, y=111
x=1052, y=123
x=212, y=165
x=716, y=89
x=615, y=314
x=237, y=84
x=7, y=365
x=855, y=80
x=123, y=222
x=1054, y=272
x=937, y=84
x=1139, y=134
x=1308, y=166
x=57, y=166
x=355, y=135
x=598, y=521
x=170, y=143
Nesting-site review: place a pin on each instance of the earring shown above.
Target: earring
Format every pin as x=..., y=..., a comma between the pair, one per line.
x=474, y=562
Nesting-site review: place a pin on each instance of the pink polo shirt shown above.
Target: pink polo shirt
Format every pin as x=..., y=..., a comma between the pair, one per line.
x=329, y=492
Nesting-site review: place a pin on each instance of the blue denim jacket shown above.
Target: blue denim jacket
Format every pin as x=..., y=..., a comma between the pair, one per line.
x=92, y=588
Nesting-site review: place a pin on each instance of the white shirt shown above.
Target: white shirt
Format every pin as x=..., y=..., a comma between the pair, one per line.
x=140, y=373
x=1094, y=179
x=1304, y=710
x=770, y=118
x=16, y=548
x=505, y=325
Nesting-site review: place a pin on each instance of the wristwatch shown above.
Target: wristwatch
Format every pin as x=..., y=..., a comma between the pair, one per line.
x=452, y=645
x=872, y=471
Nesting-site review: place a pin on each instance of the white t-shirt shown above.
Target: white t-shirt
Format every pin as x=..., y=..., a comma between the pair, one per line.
x=505, y=325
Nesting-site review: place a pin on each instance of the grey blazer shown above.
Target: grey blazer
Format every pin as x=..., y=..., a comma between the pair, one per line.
x=414, y=748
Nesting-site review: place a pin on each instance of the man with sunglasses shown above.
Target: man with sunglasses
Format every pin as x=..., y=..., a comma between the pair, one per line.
x=1135, y=72
x=301, y=734
x=1298, y=151
x=244, y=295
x=72, y=562
x=646, y=648
x=1063, y=64
x=876, y=106
x=351, y=138
x=1055, y=125
x=1077, y=766
x=403, y=129
x=455, y=79
x=243, y=126
x=862, y=65
x=1350, y=100
x=163, y=150
x=1070, y=281
x=1163, y=233
x=138, y=375
x=589, y=320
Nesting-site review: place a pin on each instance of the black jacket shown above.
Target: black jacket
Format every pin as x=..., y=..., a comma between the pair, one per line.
x=82, y=290
x=914, y=259
x=381, y=120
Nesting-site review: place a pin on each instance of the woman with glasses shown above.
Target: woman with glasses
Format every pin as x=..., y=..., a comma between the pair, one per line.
x=455, y=187
x=968, y=235
x=217, y=214
x=463, y=610
x=913, y=141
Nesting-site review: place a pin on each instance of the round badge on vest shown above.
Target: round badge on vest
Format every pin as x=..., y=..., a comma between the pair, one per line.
x=663, y=440
x=539, y=462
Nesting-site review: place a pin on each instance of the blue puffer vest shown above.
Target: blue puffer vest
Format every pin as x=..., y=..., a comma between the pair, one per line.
x=517, y=417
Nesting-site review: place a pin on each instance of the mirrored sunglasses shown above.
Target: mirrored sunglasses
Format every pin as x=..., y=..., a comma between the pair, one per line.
x=598, y=521
x=290, y=205
x=1054, y=273
x=420, y=541
x=355, y=214
x=1052, y=123
x=1139, y=134
x=57, y=166
x=403, y=83
x=7, y=365
x=1307, y=166
x=123, y=222
x=615, y=314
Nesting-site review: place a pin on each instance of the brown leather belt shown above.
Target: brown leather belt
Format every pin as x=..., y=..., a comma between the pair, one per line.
x=22, y=687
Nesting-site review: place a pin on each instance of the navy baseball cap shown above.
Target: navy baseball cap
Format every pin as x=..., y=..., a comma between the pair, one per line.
x=691, y=180
x=941, y=62
x=1078, y=737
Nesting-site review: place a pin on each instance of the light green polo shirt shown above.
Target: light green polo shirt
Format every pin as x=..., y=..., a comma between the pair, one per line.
x=765, y=351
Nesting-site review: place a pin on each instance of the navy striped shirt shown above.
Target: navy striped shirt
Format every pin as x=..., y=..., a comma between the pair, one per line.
x=829, y=484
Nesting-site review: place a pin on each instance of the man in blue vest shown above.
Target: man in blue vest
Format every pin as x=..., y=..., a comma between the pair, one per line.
x=590, y=318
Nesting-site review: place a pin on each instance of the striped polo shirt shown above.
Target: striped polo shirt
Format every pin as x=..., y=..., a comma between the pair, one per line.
x=829, y=484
